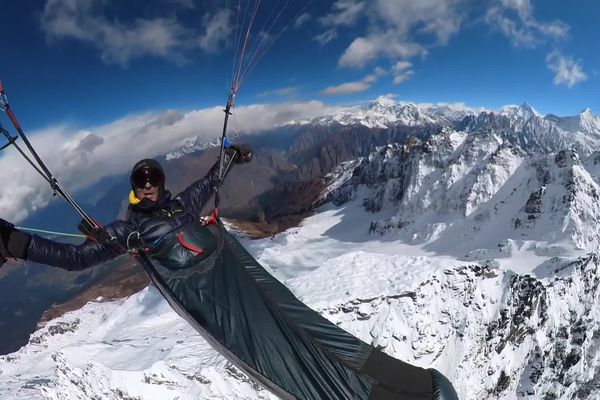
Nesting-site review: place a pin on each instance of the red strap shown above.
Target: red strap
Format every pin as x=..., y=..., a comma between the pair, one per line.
x=134, y=252
x=188, y=246
x=213, y=218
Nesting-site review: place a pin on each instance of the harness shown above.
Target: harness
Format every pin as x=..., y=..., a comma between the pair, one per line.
x=135, y=244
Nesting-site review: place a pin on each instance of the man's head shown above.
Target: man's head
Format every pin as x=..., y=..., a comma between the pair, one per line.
x=147, y=179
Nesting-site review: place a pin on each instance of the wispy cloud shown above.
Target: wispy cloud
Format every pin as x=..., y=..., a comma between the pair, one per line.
x=301, y=20
x=121, y=39
x=393, y=26
x=402, y=71
x=346, y=88
x=290, y=91
x=81, y=157
x=364, y=49
x=397, y=31
x=515, y=19
x=118, y=43
x=326, y=37
x=217, y=29
x=344, y=13
x=567, y=71
x=355, y=87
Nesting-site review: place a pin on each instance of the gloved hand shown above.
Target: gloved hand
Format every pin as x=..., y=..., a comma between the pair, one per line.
x=98, y=233
x=6, y=228
x=13, y=242
x=242, y=153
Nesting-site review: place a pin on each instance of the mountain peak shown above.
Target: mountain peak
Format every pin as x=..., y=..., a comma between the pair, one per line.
x=385, y=101
x=585, y=121
x=527, y=107
x=524, y=111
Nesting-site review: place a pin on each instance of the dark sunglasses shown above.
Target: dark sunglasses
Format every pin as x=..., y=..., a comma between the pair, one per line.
x=143, y=175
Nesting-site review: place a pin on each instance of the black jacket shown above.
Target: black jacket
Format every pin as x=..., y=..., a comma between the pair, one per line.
x=142, y=226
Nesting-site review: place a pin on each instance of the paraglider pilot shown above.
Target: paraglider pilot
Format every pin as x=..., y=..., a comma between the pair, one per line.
x=152, y=214
x=244, y=313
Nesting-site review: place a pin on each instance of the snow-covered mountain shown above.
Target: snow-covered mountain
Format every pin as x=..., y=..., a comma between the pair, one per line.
x=490, y=181
x=586, y=121
x=384, y=114
x=521, y=125
x=517, y=123
x=192, y=145
x=495, y=333
x=470, y=247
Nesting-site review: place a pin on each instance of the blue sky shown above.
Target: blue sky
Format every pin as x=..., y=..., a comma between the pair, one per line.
x=99, y=84
x=89, y=62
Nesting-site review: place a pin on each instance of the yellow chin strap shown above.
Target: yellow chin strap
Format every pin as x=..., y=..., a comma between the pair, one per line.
x=133, y=200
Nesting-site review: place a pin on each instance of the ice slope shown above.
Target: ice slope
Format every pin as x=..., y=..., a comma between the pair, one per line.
x=138, y=348
x=496, y=334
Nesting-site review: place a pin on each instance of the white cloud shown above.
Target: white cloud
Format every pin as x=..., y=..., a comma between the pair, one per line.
x=326, y=36
x=514, y=19
x=441, y=19
x=378, y=72
x=80, y=158
x=118, y=42
x=289, y=91
x=393, y=26
x=121, y=39
x=362, y=50
x=301, y=20
x=405, y=29
x=217, y=29
x=344, y=13
x=402, y=71
x=566, y=71
x=355, y=87
x=346, y=88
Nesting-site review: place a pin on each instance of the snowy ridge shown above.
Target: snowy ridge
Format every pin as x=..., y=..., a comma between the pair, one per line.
x=463, y=190
x=496, y=334
x=504, y=335
x=520, y=124
x=384, y=113
x=586, y=121
x=136, y=348
x=192, y=145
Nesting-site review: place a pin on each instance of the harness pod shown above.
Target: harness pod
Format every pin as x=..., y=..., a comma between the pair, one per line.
x=259, y=325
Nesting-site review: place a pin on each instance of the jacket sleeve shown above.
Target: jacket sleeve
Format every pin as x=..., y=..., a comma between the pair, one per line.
x=77, y=257
x=195, y=196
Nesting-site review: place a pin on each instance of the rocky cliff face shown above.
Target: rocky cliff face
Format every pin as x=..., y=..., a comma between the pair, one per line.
x=496, y=334
x=504, y=335
x=493, y=179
